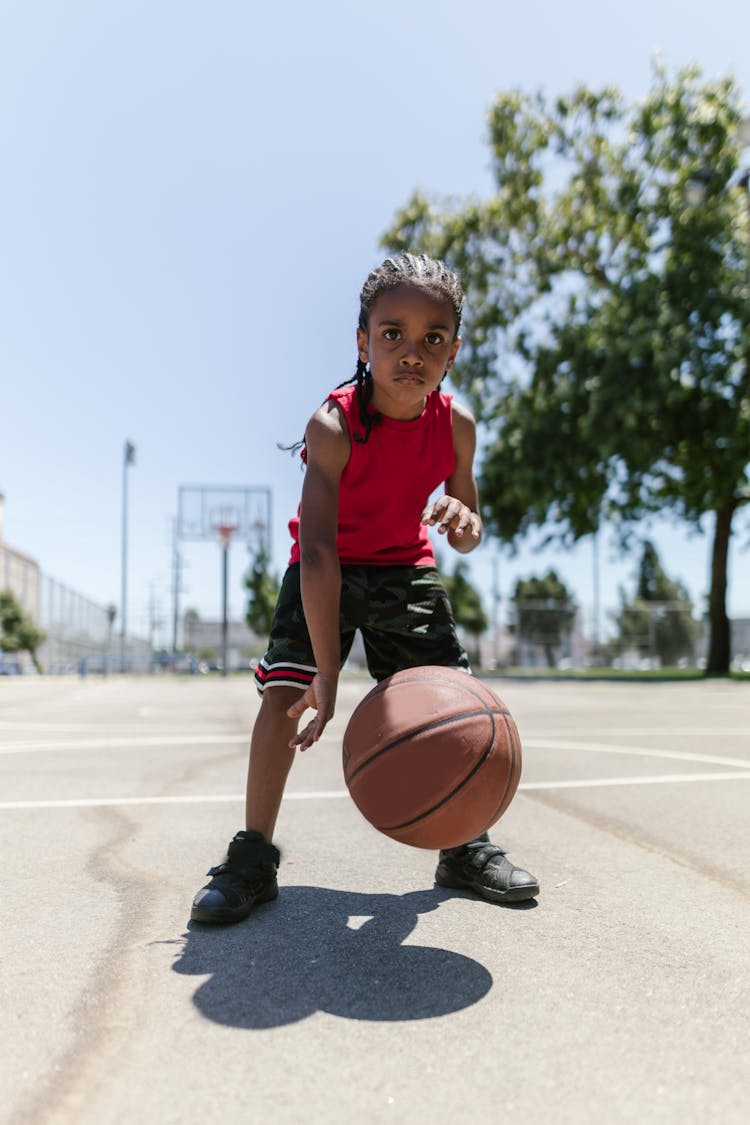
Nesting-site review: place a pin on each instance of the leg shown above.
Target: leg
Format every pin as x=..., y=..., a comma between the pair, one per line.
x=247, y=874
x=270, y=760
x=412, y=624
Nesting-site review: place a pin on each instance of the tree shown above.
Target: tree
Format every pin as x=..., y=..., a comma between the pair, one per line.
x=18, y=632
x=607, y=340
x=263, y=587
x=658, y=620
x=544, y=613
x=466, y=603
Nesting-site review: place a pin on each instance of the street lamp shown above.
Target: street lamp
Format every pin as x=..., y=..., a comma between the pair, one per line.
x=127, y=460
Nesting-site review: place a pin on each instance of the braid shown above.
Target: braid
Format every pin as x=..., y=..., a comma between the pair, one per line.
x=364, y=391
x=429, y=274
x=416, y=269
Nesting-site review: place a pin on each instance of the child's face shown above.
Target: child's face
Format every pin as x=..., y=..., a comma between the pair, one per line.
x=410, y=343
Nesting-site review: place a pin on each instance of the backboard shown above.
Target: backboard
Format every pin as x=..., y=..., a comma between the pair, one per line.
x=203, y=510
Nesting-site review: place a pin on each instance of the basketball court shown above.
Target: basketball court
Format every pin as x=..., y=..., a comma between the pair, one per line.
x=364, y=992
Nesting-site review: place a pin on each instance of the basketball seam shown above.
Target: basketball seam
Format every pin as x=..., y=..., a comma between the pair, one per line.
x=422, y=729
x=464, y=781
x=512, y=739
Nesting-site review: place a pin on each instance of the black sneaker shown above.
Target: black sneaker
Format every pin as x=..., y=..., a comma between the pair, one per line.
x=246, y=877
x=483, y=867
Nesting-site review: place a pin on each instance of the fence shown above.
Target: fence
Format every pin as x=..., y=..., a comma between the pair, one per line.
x=548, y=633
x=79, y=631
x=80, y=635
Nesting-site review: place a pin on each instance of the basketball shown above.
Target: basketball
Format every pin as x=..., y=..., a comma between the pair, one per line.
x=432, y=757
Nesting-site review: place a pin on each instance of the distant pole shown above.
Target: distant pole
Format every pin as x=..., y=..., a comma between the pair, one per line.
x=225, y=529
x=595, y=628
x=224, y=605
x=495, y=615
x=128, y=459
x=176, y=567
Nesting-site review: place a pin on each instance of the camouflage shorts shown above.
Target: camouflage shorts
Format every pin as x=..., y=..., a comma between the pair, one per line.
x=402, y=612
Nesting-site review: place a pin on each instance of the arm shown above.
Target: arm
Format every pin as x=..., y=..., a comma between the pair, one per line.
x=457, y=513
x=327, y=445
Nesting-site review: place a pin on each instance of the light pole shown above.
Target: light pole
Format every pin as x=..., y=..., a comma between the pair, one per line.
x=495, y=611
x=596, y=593
x=225, y=526
x=176, y=587
x=127, y=460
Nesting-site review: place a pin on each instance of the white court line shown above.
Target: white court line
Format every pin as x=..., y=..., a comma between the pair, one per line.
x=678, y=732
x=335, y=794
x=138, y=742
x=132, y=742
x=20, y=726
x=646, y=779
x=635, y=751
x=186, y=799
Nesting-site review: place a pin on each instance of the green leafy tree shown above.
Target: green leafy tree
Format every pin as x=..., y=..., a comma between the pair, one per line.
x=18, y=632
x=607, y=337
x=466, y=602
x=544, y=613
x=263, y=591
x=658, y=620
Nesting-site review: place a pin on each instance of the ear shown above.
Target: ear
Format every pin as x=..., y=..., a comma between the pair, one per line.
x=363, y=345
x=454, y=351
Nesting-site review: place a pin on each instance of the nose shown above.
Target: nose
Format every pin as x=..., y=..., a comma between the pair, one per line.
x=411, y=356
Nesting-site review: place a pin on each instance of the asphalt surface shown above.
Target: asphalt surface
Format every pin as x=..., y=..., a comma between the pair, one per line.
x=364, y=992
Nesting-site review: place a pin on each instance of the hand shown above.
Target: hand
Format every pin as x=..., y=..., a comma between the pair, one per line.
x=451, y=515
x=321, y=695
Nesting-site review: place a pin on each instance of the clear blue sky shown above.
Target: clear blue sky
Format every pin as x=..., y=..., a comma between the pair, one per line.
x=192, y=195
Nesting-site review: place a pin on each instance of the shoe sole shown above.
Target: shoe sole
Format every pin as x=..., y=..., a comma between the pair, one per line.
x=513, y=894
x=231, y=914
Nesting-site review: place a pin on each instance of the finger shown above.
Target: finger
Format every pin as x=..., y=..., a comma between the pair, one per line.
x=463, y=521
x=435, y=513
x=449, y=516
x=303, y=738
x=299, y=707
x=309, y=735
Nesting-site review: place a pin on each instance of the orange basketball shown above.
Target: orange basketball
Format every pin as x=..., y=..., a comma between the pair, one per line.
x=432, y=757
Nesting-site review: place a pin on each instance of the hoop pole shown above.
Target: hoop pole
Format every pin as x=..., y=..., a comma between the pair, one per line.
x=224, y=606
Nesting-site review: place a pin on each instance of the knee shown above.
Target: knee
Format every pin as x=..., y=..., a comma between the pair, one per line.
x=277, y=701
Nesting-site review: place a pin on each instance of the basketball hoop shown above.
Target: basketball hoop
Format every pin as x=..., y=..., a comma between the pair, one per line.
x=224, y=524
x=224, y=533
x=220, y=512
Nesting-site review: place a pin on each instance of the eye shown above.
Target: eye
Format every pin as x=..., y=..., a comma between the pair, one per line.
x=391, y=334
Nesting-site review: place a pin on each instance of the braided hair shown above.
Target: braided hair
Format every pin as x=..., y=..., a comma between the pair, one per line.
x=431, y=275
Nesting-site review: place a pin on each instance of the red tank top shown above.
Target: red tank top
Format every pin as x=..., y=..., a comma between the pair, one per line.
x=387, y=482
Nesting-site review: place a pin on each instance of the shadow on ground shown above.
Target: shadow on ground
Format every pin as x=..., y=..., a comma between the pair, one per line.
x=301, y=955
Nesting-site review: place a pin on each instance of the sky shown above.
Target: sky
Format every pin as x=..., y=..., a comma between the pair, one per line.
x=192, y=195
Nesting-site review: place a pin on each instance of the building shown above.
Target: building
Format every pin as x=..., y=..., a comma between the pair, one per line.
x=204, y=640
x=19, y=573
x=79, y=631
